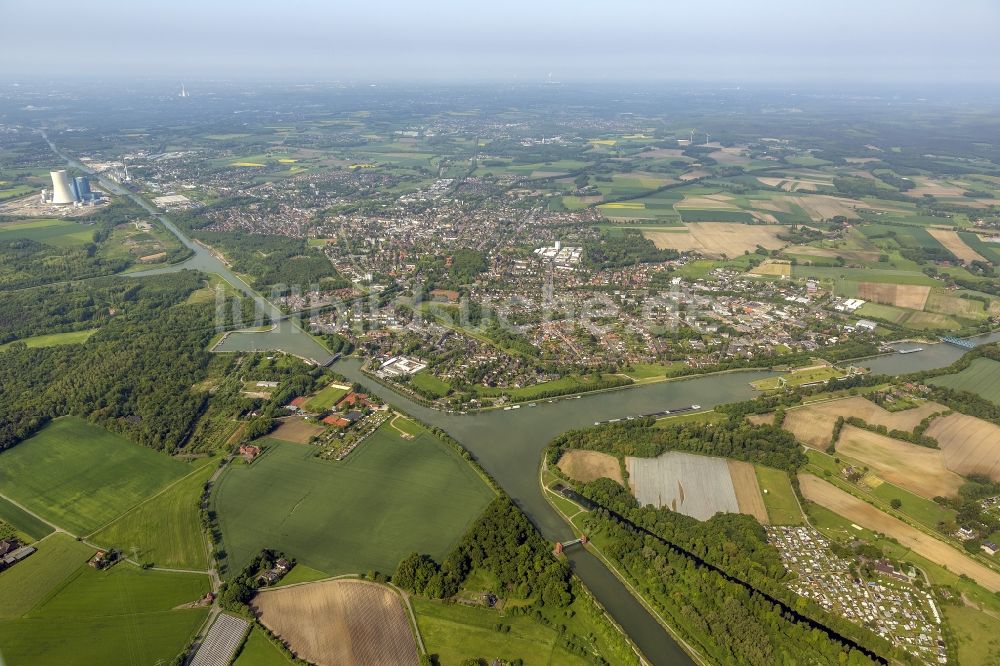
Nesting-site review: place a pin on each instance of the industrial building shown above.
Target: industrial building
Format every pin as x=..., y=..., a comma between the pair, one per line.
x=66, y=191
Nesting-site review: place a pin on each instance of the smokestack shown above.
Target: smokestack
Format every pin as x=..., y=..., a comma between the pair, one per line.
x=61, y=192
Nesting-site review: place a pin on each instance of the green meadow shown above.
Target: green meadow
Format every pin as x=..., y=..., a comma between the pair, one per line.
x=80, y=476
x=60, y=233
x=388, y=498
x=982, y=377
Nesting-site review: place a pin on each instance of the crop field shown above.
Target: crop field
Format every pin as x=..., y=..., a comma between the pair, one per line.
x=80, y=476
x=697, y=486
x=23, y=522
x=258, y=650
x=813, y=424
x=59, y=233
x=327, y=397
x=166, y=530
x=864, y=514
x=918, y=469
x=847, y=279
x=774, y=268
x=349, y=622
x=954, y=244
x=981, y=377
x=23, y=587
x=779, y=498
x=969, y=445
x=121, y=615
x=901, y=295
x=991, y=251
x=748, y=495
x=590, y=465
x=296, y=430
x=720, y=238
x=944, y=303
x=423, y=495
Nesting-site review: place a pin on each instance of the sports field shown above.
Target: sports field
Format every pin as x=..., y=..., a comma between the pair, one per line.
x=80, y=476
x=349, y=622
x=166, y=530
x=982, y=377
x=390, y=497
x=120, y=616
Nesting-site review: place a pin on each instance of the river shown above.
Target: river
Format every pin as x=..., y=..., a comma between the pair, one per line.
x=509, y=444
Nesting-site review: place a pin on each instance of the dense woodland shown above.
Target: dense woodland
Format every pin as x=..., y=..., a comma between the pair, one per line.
x=137, y=375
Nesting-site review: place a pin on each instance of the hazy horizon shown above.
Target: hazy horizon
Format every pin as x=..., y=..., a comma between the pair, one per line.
x=854, y=42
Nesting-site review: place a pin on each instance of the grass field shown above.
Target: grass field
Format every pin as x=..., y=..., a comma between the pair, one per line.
x=456, y=633
x=982, y=377
x=258, y=650
x=799, y=377
x=166, y=530
x=300, y=573
x=23, y=587
x=120, y=616
x=59, y=233
x=426, y=381
x=80, y=476
x=53, y=339
x=23, y=522
x=327, y=397
x=390, y=497
x=779, y=498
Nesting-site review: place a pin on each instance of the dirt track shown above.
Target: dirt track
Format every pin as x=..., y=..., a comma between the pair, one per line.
x=865, y=515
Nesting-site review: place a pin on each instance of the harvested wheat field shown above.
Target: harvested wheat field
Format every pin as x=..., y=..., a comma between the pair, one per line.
x=848, y=255
x=296, y=430
x=813, y=424
x=748, y=496
x=718, y=238
x=919, y=469
x=954, y=244
x=340, y=622
x=912, y=296
x=934, y=187
x=864, y=514
x=707, y=202
x=590, y=465
x=773, y=268
x=969, y=445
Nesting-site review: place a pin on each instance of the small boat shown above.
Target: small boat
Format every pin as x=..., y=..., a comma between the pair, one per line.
x=516, y=407
x=506, y=409
x=695, y=406
x=910, y=351
x=532, y=405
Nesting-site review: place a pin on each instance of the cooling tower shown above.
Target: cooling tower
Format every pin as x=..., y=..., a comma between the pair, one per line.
x=61, y=192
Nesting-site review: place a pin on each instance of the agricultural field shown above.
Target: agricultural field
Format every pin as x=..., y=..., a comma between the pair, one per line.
x=55, y=232
x=23, y=522
x=773, y=268
x=422, y=494
x=864, y=514
x=909, y=296
x=748, y=493
x=340, y=622
x=799, y=377
x=165, y=530
x=697, y=486
x=981, y=377
x=80, y=476
x=258, y=650
x=954, y=244
x=968, y=445
x=779, y=498
x=717, y=239
x=587, y=466
x=918, y=469
x=25, y=586
x=327, y=397
x=296, y=430
x=813, y=424
x=122, y=614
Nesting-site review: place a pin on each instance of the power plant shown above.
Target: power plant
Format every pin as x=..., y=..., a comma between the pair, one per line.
x=61, y=191
x=66, y=191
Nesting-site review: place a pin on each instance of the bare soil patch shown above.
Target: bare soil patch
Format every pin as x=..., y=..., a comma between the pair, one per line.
x=865, y=515
x=954, y=244
x=590, y=466
x=969, y=445
x=919, y=469
x=296, y=430
x=912, y=296
x=748, y=496
x=813, y=424
x=340, y=622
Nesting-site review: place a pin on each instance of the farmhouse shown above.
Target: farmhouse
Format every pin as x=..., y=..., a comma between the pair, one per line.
x=13, y=552
x=249, y=452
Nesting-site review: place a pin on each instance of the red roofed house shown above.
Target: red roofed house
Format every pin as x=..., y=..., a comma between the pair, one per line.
x=353, y=400
x=249, y=451
x=336, y=421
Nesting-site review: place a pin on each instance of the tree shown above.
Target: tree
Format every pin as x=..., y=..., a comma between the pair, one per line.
x=896, y=503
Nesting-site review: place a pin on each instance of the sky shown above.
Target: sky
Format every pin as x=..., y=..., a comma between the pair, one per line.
x=736, y=41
